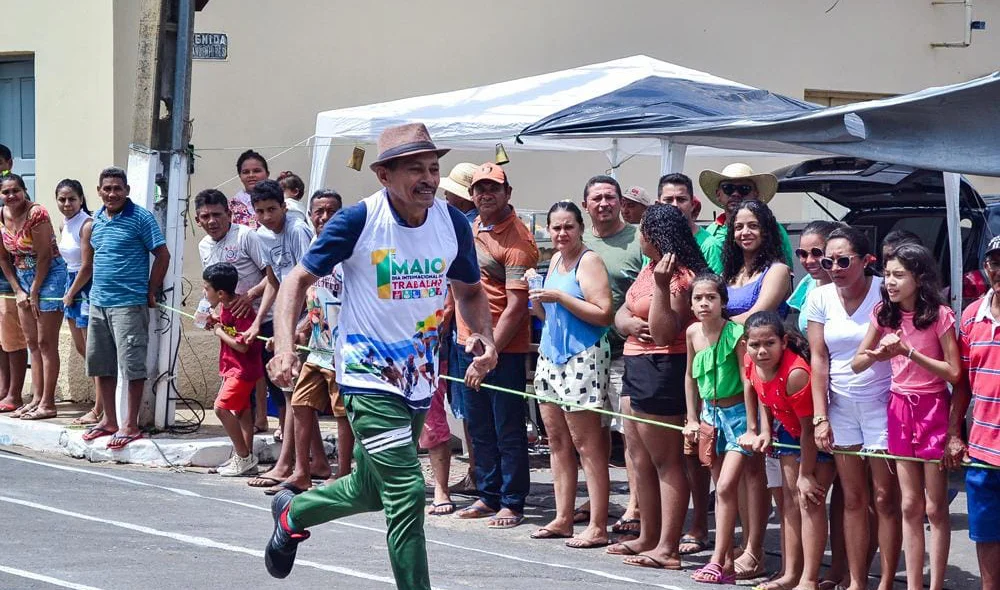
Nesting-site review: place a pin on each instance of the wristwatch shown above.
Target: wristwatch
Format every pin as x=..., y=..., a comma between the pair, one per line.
x=817, y=420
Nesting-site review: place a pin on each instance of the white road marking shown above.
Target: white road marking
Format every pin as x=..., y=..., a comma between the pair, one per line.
x=192, y=494
x=193, y=540
x=47, y=579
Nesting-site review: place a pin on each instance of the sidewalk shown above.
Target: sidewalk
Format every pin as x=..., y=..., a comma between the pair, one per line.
x=208, y=447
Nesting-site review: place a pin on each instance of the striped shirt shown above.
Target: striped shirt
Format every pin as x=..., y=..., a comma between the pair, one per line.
x=121, y=255
x=980, y=347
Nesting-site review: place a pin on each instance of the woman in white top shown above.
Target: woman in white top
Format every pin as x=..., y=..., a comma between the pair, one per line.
x=74, y=245
x=851, y=409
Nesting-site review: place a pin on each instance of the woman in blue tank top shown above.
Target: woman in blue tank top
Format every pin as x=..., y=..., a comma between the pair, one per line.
x=574, y=361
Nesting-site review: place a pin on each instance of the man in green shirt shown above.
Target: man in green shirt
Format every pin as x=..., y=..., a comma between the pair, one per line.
x=677, y=189
x=735, y=184
x=617, y=243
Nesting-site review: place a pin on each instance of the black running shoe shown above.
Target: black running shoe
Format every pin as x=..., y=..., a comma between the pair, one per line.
x=279, y=555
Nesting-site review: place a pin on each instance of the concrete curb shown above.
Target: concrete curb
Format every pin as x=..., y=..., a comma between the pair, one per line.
x=157, y=452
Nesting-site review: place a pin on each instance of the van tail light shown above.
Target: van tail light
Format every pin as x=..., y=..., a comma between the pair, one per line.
x=973, y=285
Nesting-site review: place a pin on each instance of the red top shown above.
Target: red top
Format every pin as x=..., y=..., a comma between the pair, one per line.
x=245, y=366
x=787, y=408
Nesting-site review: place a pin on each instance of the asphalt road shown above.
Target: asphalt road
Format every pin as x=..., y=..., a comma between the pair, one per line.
x=77, y=525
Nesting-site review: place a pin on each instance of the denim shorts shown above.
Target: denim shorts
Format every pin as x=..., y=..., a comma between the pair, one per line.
x=730, y=424
x=781, y=435
x=53, y=287
x=79, y=312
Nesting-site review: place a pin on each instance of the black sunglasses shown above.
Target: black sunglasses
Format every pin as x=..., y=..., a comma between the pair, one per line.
x=841, y=261
x=802, y=253
x=744, y=189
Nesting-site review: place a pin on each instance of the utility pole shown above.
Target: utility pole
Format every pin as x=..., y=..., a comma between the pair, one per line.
x=159, y=143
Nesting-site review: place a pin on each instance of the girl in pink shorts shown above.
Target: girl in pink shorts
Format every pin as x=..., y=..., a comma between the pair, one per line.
x=915, y=331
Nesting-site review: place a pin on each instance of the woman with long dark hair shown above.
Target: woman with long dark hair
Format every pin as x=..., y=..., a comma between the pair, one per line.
x=757, y=279
x=655, y=368
x=74, y=246
x=851, y=409
x=38, y=275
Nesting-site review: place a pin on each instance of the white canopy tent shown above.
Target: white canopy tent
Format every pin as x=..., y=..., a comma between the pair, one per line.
x=478, y=118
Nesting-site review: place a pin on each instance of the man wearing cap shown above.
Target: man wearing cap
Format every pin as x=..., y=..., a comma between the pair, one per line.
x=735, y=184
x=677, y=189
x=506, y=249
x=980, y=347
x=634, y=203
x=455, y=187
x=409, y=244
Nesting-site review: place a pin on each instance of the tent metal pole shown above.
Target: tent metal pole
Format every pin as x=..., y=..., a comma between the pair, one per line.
x=671, y=157
x=614, y=159
x=952, y=182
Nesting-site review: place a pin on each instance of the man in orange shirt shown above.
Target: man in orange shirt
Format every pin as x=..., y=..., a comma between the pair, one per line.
x=506, y=249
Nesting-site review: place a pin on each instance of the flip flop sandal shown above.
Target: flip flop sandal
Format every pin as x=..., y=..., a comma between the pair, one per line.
x=627, y=526
x=713, y=573
x=581, y=515
x=576, y=543
x=449, y=508
x=263, y=481
x=544, y=533
x=96, y=433
x=474, y=511
x=625, y=550
x=699, y=545
x=4, y=408
x=118, y=443
x=648, y=561
x=38, y=415
x=504, y=522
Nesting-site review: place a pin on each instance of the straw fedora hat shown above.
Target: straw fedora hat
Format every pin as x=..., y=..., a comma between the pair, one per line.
x=405, y=140
x=459, y=180
x=709, y=180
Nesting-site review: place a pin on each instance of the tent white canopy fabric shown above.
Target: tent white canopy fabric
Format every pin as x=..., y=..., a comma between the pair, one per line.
x=478, y=118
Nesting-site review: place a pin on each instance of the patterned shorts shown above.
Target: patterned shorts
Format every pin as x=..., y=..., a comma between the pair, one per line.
x=582, y=380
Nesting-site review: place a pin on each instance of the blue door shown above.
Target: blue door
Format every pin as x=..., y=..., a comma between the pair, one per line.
x=17, y=116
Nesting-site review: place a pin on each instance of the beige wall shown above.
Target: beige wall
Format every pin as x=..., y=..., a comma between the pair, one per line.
x=74, y=118
x=290, y=60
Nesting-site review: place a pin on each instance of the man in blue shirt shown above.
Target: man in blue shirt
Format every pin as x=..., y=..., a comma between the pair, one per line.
x=124, y=289
x=400, y=248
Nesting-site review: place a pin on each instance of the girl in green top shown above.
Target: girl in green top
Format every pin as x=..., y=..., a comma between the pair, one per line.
x=715, y=352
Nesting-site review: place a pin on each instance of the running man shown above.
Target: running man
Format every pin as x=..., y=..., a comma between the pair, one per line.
x=410, y=245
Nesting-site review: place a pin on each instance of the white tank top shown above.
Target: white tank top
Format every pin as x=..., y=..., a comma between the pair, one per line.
x=392, y=302
x=69, y=241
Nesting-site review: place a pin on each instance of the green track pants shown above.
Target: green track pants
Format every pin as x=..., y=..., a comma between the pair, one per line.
x=387, y=476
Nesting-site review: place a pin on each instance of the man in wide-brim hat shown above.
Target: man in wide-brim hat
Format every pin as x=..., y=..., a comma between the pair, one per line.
x=737, y=183
x=397, y=250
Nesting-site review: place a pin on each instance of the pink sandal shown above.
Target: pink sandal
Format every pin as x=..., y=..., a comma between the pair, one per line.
x=713, y=573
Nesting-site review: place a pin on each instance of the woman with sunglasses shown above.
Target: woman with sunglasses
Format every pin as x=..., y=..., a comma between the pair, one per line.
x=757, y=279
x=812, y=242
x=851, y=409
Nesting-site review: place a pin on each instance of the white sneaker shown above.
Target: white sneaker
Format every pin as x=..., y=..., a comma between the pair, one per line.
x=240, y=466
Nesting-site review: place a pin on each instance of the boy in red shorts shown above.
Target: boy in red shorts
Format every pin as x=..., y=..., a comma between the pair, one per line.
x=240, y=365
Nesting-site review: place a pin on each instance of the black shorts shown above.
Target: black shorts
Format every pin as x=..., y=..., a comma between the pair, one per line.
x=655, y=383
